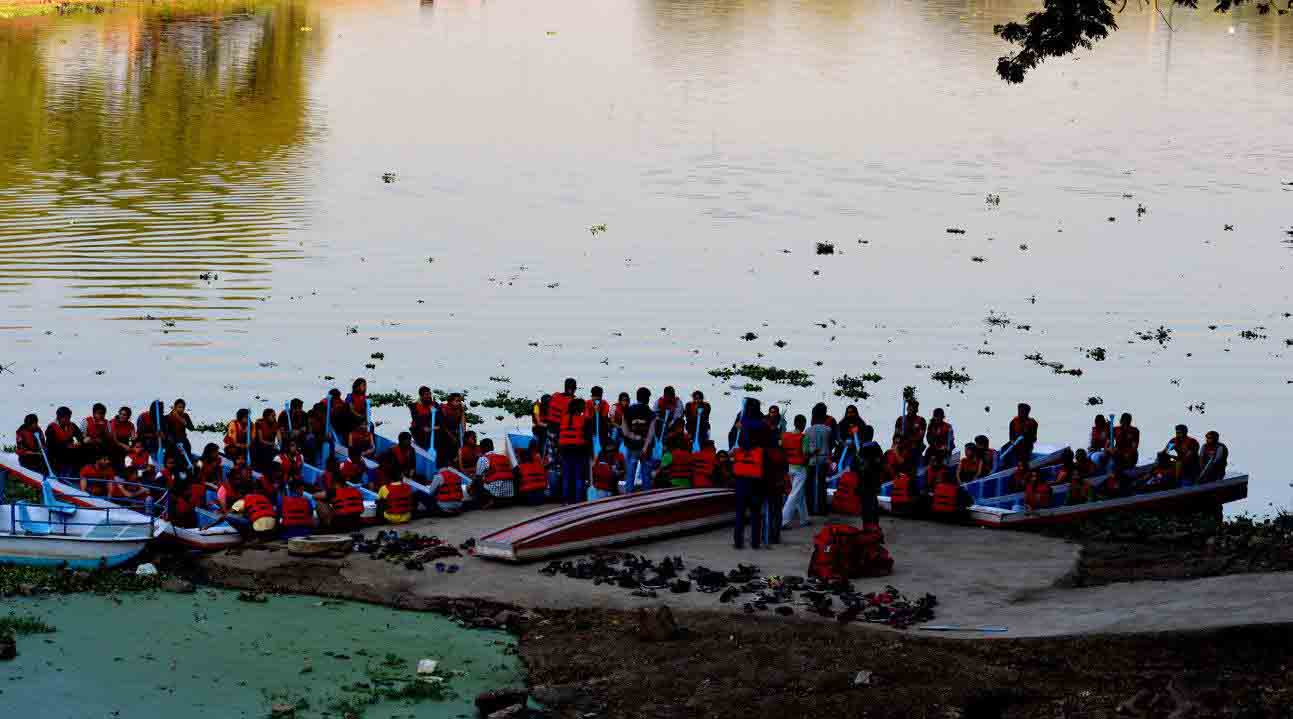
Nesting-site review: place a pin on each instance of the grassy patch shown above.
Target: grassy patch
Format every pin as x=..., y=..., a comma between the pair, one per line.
x=515, y=406
x=20, y=626
x=67, y=581
x=854, y=387
x=391, y=399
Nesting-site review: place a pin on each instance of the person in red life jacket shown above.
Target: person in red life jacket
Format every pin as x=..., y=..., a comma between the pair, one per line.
x=131, y=486
x=137, y=460
x=724, y=475
x=96, y=477
x=1038, y=495
x=63, y=441
x=792, y=444
x=558, y=408
x=1126, y=445
x=148, y=428
x=910, y=429
x=237, y=483
x=121, y=432
x=336, y=413
x=290, y=464
x=1083, y=466
x=354, y=470
x=1099, y=443
x=937, y=470
x=450, y=431
x=703, y=465
x=608, y=470
x=1023, y=475
x=361, y=439
x=1024, y=429
x=237, y=435
x=357, y=402
x=1186, y=449
x=420, y=420
x=346, y=507
x=598, y=411
x=399, y=460
x=264, y=447
x=574, y=445
x=618, y=411
x=531, y=475
x=987, y=456
x=897, y=460
x=27, y=445
x=176, y=426
x=94, y=432
x=259, y=512
x=1071, y=475
x=324, y=491
x=696, y=416
x=1162, y=476
x=749, y=467
x=668, y=412
x=294, y=424
x=186, y=495
x=1213, y=457
x=449, y=489
x=468, y=453
x=939, y=434
x=679, y=469
x=494, y=481
x=209, y=468
x=297, y=511
x=971, y=464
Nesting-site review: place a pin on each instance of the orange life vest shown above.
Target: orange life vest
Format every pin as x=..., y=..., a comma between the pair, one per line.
x=399, y=498
x=1038, y=495
x=793, y=445
x=96, y=429
x=938, y=434
x=1021, y=480
x=534, y=478
x=256, y=507
x=469, y=454
x=450, y=489
x=604, y=476
x=292, y=467
x=421, y=416
x=847, y=499
x=902, y=492
x=122, y=431
x=968, y=469
x=558, y=403
x=296, y=512
x=359, y=439
x=59, y=435
x=27, y=443
x=266, y=430
x=747, y=463
x=1020, y=426
x=702, y=467
x=353, y=471
x=944, y=498
x=236, y=433
x=500, y=468
x=572, y=433
x=681, y=466
x=348, y=502
x=1126, y=442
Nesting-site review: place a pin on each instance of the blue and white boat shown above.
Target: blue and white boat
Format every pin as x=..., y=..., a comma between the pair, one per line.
x=60, y=534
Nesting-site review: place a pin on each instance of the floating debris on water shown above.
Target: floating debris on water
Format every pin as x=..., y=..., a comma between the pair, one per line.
x=749, y=337
x=955, y=231
x=1162, y=335
x=595, y=229
x=1095, y=353
x=825, y=248
x=760, y=373
x=388, y=177
x=516, y=406
x=978, y=258
x=391, y=399
x=996, y=320
x=951, y=377
x=993, y=200
x=1095, y=400
x=1253, y=334
x=854, y=387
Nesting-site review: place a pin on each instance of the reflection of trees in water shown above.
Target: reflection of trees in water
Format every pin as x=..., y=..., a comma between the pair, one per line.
x=171, y=138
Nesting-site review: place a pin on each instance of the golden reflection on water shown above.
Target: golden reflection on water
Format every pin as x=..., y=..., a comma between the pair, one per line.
x=145, y=148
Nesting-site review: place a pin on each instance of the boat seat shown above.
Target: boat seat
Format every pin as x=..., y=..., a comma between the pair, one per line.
x=29, y=525
x=53, y=503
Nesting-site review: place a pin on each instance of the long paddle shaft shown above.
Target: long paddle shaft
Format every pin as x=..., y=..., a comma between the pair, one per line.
x=327, y=430
x=695, y=437
x=40, y=442
x=157, y=422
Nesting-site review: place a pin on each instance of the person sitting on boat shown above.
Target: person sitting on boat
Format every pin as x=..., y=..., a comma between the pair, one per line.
x=1038, y=494
x=318, y=443
x=936, y=471
x=703, y=464
x=607, y=472
x=1213, y=456
x=987, y=456
x=494, y=474
x=141, y=472
x=361, y=439
x=1024, y=429
x=940, y=434
x=27, y=445
x=147, y=426
x=447, y=489
x=63, y=442
x=137, y=460
x=259, y=512
x=910, y=430
x=531, y=475
x=1162, y=476
x=1083, y=466
x=237, y=483
x=1126, y=445
x=94, y=431
x=696, y=414
x=1186, y=449
x=723, y=475
x=968, y=468
x=1076, y=468
x=400, y=460
x=1098, y=446
x=678, y=467
x=294, y=424
x=336, y=412
x=1023, y=476
x=121, y=432
x=209, y=468
x=897, y=460
x=237, y=434
x=420, y=417
x=469, y=452
x=354, y=410
x=186, y=495
x=176, y=426
x=264, y=447
x=289, y=464
x=96, y=477
x=353, y=470
x=297, y=511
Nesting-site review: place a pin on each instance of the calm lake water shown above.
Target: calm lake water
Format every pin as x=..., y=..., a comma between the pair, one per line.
x=209, y=655
x=192, y=204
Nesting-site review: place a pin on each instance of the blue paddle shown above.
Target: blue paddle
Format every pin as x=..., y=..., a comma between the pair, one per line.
x=695, y=437
x=435, y=462
x=597, y=428
x=40, y=442
x=157, y=420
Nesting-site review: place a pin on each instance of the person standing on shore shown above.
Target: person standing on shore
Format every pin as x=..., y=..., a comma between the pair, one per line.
x=911, y=428
x=817, y=458
x=558, y=408
x=752, y=438
x=574, y=440
x=636, y=433
x=420, y=417
x=794, y=444
x=697, y=413
x=869, y=467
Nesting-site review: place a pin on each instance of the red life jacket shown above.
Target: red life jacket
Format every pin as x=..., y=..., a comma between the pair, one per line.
x=938, y=434
x=914, y=435
x=572, y=433
x=236, y=433
x=902, y=492
x=1126, y=442
x=1079, y=490
x=500, y=468
x=534, y=478
x=58, y=435
x=1021, y=481
x=793, y=445
x=702, y=466
x=747, y=463
x=604, y=476
x=122, y=431
x=256, y=507
x=26, y=442
x=96, y=430
x=358, y=404
x=969, y=469
x=353, y=471
x=945, y=498
x=292, y=467
x=989, y=461
x=450, y=489
x=680, y=467
x=348, y=502
x=147, y=427
x=935, y=474
x=557, y=406
x=178, y=426
x=266, y=430
x=399, y=498
x=99, y=488
x=847, y=500
x=1038, y=495
x=469, y=454
x=1099, y=439
x=421, y=416
x=599, y=407
x=1020, y=426
x=360, y=439
x=296, y=512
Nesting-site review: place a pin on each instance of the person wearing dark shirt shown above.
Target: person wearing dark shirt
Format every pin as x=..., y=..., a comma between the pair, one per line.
x=636, y=432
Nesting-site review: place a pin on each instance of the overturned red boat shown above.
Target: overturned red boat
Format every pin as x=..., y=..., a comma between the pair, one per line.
x=622, y=519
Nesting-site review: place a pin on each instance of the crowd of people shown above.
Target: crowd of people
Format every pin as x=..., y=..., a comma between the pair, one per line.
x=297, y=470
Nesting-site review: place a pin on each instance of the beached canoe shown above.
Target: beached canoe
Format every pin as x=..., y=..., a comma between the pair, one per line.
x=220, y=535
x=622, y=519
x=66, y=535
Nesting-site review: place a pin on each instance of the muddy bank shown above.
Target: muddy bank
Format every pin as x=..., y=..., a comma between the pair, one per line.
x=723, y=666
